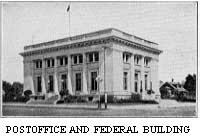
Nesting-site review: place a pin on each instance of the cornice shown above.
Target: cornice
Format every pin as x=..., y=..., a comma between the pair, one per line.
x=88, y=43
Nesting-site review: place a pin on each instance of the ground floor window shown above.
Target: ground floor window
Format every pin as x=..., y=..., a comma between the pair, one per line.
x=39, y=84
x=64, y=81
x=78, y=81
x=93, y=81
x=146, y=80
x=125, y=80
x=136, y=82
x=50, y=83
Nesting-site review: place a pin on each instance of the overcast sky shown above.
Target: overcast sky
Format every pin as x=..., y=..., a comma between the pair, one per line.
x=170, y=24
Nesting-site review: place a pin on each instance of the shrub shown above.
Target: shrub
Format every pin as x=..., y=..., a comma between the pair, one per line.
x=60, y=102
x=64, y=93
x=23, y=99
x=27, y=93
x=90, y=98
x=135, y=97
x=70, y=98
x=110, y=99
x=81, y=100
x=150, y=92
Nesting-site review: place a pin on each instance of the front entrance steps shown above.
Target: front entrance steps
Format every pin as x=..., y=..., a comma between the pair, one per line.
x=48, y=100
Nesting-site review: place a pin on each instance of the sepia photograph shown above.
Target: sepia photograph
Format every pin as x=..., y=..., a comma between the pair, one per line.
x=99, y=59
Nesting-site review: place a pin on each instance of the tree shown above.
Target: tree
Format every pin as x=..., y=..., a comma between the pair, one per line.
x=12, y=91
x=7, y=86
x=17, y=89
x=190, y=83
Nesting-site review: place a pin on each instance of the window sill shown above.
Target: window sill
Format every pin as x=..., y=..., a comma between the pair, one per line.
x=37, y=68
x=93, y=62
x=138, y=65
x=62, y=65
x=126, y=62
x=77, y=64
x=93, y=91
x=49, y=67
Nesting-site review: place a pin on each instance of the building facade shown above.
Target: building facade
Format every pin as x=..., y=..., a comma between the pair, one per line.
x=108, y=60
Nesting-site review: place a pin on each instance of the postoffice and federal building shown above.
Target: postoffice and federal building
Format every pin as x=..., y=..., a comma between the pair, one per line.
x=108, y=60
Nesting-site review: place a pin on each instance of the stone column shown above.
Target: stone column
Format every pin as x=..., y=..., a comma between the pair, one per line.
x=55, y=77
x=85, y=90
x=101, y=70
x=43, y=77
x=28, y=75
x=132, y=79
x=69, y=74
x=142, y=76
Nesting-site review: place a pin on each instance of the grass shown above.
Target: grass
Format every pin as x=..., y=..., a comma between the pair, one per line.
x=91, y=111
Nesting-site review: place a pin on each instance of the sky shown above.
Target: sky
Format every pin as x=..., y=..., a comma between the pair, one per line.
x=173, y=25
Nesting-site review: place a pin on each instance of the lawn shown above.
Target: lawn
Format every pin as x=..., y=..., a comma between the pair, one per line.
x=92, y=111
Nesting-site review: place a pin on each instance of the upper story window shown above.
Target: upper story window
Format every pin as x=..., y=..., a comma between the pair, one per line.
x=126, y=57
x=137, y=60
x=146, y=62
x=93, y=57
x=49, y=62
x=38, y=64
x=77, y=59
x=62, y=61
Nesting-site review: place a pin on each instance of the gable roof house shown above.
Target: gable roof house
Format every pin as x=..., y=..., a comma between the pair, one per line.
x=171, y=89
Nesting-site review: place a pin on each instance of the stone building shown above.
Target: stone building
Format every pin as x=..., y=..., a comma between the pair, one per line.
x=108, y=60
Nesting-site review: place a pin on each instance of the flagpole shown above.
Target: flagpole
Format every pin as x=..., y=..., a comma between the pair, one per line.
x=69, y=22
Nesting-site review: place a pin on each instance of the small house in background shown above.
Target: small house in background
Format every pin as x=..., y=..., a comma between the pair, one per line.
x=171, y=90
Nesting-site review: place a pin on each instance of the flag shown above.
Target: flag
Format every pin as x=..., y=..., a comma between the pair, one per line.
x=68, y=8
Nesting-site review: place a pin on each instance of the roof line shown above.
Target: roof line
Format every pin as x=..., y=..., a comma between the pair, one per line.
x=106, y=29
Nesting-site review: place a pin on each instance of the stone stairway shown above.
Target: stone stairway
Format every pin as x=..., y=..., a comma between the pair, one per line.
x=50, y=100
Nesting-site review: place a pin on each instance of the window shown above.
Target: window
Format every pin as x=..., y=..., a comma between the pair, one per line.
x=62, y=61
x=136, y=82
x=93, y=57
x=39, y=84
x=50, y=83
x=96, y=57
x=126, y=57
x=93, y=81
x=78, y=59
x=146, y=79
x=50, y=62
x=63, y=81
x=66, y=60
x=75, y=60
x=125, y=79
x=78, y=81
x=38, y=64
x=137, y=60
x=146, y=62
x=140, y=86
x=90, y=56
